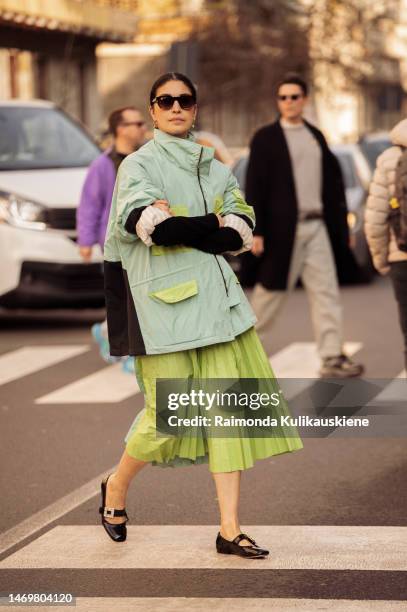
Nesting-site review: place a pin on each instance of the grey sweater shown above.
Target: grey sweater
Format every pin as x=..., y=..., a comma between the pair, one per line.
x=306, y=159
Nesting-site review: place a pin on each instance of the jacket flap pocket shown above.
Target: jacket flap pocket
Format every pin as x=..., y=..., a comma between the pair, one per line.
x=177, y=293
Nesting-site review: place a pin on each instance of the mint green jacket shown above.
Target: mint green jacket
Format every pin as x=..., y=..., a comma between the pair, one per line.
x=166, y=299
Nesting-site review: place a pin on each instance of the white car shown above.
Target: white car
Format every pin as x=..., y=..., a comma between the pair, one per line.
x=44, y=155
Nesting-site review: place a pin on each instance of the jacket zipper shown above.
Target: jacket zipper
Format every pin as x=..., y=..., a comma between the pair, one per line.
x=206, y=212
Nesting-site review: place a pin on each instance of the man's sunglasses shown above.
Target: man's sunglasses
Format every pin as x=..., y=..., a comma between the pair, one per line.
x=138, y=123
x=292, y=97
x=166, y=102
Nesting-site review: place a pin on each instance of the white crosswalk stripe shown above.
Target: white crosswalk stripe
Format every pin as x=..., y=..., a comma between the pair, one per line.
x=301, y=360
x=298, y=363
x=162, y=547
x=228, y=604
x=394, y=390
x=310, y=547
x=298, y=360
x=292, y=547
x=30, y=359
x=110, y=384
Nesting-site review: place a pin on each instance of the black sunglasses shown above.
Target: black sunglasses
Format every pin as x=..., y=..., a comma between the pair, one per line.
x=292, y=97
x=166, y=102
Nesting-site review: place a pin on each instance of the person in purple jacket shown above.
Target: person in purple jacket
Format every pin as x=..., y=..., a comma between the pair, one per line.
x=128, y=129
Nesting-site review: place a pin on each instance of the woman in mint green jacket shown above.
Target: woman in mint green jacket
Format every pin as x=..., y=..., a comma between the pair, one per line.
x=174, y=303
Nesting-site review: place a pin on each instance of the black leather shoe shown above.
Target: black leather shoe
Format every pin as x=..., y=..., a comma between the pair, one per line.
x=117, y=532
x=232, y=547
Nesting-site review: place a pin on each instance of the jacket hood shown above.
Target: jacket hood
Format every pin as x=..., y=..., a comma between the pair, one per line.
x=398, y=134
x=185, y=152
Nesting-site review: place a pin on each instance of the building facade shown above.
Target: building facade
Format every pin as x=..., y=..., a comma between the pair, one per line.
x=47, y=50
x=91, y=56
x=358, y=55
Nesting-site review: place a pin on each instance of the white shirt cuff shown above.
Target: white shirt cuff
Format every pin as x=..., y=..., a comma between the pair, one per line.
x=244, y=230
x=149, y=218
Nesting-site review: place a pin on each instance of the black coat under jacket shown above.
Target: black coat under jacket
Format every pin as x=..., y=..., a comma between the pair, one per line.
x=270, y=189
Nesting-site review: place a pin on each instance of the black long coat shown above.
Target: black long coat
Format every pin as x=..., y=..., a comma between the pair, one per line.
x=270, y=189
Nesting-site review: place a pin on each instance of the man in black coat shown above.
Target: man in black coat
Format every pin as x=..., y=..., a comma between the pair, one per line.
x=295, y=184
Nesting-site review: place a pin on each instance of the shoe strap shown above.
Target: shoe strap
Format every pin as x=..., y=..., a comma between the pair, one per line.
x=243, y=536
x=111, y=512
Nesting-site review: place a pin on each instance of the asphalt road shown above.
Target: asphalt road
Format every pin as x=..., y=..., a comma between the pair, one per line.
x=54, y=450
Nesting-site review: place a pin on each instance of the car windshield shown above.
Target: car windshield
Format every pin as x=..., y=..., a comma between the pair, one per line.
x=348, y=169
x=35, y=137
x=373, y=148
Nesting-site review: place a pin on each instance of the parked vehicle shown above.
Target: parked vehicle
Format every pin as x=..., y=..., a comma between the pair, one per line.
x=44, y=155
x=357, y=173
x=372, y=145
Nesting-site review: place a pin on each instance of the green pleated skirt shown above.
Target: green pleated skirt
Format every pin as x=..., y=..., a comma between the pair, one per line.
x=243, y=357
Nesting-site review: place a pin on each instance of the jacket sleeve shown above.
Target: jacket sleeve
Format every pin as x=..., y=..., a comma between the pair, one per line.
x=176, y=230
x=202, y=233
x=376, y=218
x=135, y=190
x=184, y=230
x=238, y=215
x=234, y=202
x=257, y=183
x=223, y=240
x=90, y=209
x=132, y=219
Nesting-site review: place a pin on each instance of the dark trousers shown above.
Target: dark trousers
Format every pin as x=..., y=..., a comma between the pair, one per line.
x=398, y=275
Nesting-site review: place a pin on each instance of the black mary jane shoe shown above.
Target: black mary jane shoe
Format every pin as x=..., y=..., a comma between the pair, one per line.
x=118, y=532
x=232, y=547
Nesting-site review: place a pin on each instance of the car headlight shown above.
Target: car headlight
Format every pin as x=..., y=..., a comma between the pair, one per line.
x=22, y=212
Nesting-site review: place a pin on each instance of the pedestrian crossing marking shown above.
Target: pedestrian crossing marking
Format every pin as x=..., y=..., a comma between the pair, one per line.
x=302, y=547
x=110, y=384
x=301, y=359
x=30, y=359
x=393, y=392
x=297, y=361
x=226, y=604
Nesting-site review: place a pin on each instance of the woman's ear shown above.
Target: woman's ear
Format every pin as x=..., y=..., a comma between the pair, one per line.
x=153, y=116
